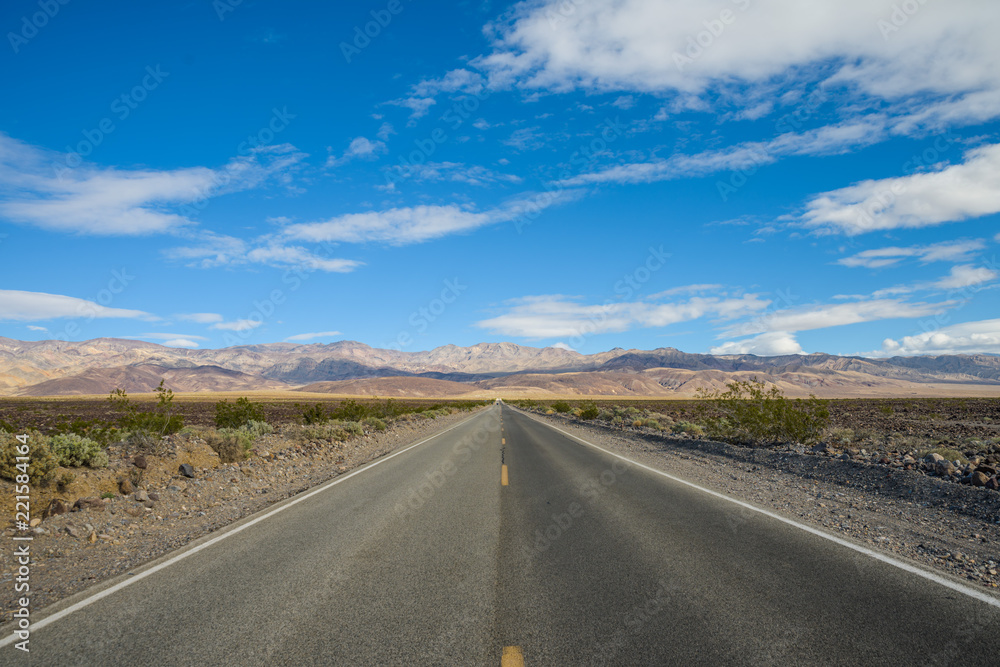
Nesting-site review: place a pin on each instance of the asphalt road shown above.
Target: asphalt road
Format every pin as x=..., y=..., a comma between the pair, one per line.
x=427, y=557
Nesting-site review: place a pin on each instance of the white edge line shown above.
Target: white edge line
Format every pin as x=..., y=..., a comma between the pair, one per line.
x=955, y=586
x=228, y=532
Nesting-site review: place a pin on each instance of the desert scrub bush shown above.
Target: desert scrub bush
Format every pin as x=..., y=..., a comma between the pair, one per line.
x=40, y=464
x=231, y=445
x=313, y=414
x=752, y=414
x=235, y=415
x=375, y=424
x=589, y=411
x=561, y=406
x=839, y=436
x=102, y=432
x=161, y=420
x=688, y=428
x=330, y=431
x=73, y=451
x=257, y=428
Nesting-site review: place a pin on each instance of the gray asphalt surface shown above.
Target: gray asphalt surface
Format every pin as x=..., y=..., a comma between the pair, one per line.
x=581, y=559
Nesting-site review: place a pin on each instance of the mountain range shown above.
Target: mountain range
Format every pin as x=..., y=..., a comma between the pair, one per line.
x=93, y=367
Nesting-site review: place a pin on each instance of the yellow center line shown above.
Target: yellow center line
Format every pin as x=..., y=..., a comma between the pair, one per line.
x=512, y=657
x=503, y=441
x=503, y=475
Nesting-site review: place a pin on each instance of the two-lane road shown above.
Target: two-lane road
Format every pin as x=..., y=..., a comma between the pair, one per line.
x=426, y=557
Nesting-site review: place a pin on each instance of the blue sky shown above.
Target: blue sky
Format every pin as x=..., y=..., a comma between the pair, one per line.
x=726, y=176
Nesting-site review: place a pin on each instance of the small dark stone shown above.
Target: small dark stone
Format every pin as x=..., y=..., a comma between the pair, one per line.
x=88, y=503
x=978, y=479
x=993, y=483
x=125, y=486
x=186, y=469
x=154, y=496
x=140, y=462
x=987, y=470
x=55, y=507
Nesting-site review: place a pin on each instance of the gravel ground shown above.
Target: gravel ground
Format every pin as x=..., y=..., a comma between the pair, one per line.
x=932, y=522
x=77, y=549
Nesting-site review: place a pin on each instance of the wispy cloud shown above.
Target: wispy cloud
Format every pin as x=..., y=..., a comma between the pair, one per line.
x=946, y=251
x=830, y=139
x=559, y=316
x=237, y=325
x=360, y=148
x=19, y=306
x=824, y=316
x=108, y=201
x=311, y=336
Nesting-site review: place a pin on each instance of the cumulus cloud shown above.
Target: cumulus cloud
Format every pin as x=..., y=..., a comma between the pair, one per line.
x=947, y=49
x=965, y=338
x=946, y=251
x=770, y=344
x=953, y=193
x=19, y=306
x=39, y=190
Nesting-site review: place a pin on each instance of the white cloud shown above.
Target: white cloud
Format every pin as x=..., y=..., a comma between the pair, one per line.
x=965, y=275
x=770, y=344
x=452, y=171
x=216, y=250
x=40, y=190
x=416, y=224
x=166, y=336
x=360, y=148
x=180, y=342
x=237, y=325
x=422, y=95
x=33, y=327
x=201, y=318
x=945, y=49
x=687, y=289
x=558, y=316
x=750, y=155
x=19, y=306
x=825, y=316
x=957, y=192
x=310, y=336
x=966, y=338
x=624, y=102
x=385, y=131
x=946, y=251
x=298, y=257
x=562, y=346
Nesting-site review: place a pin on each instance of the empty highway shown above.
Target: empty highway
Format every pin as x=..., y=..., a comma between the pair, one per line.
x=504, y=539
